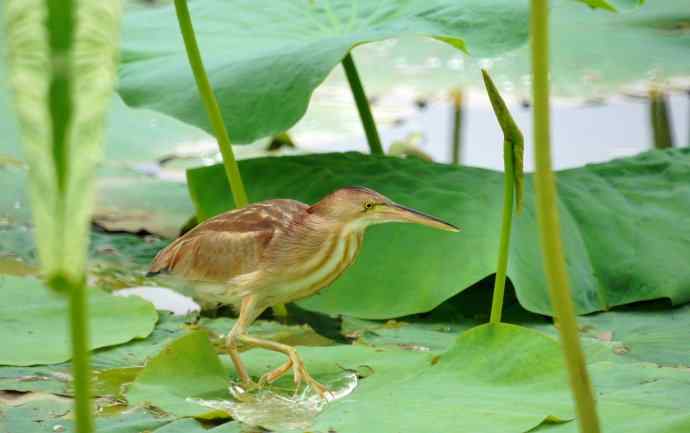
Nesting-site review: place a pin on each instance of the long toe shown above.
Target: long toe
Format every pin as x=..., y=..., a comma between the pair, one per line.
x=276, y=374
x=321, y=389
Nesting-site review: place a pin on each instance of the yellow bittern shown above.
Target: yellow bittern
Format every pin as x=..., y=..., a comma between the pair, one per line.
x=274, y=252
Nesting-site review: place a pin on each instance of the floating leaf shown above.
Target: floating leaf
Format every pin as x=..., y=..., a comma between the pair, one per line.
x=187, y=368
x=637, y=398
x=644, y=332
x=265, y=58
x=45, y=415
x=34, y=325
x=620, y=226
x=487, y=361
x=54, y=379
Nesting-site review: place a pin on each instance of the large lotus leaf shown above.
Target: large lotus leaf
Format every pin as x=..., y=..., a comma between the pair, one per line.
x=620, y=224
x=645, y=43
x=513, y=373
x=489, y=361
x=34, y=322
x=264, y=58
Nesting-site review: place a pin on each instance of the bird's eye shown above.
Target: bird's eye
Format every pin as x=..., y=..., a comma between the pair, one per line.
x=368, y=205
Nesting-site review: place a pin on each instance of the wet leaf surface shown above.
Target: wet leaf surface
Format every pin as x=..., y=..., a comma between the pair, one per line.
x=33, y=322
x=648, y=332
x=638, y=398
x=416, y=381
x=44, y=416
x=619, y=222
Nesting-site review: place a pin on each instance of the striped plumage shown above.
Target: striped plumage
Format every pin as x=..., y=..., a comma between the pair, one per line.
x=275, y=252
x=278, y=250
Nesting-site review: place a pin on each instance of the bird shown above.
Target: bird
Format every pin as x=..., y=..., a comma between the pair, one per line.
x=274, y=252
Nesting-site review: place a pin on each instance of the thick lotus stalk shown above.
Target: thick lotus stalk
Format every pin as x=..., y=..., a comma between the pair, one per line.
x=211, y=104
x=549, y=227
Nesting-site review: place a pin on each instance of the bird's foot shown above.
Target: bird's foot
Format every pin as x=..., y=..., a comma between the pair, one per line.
x=299, y=372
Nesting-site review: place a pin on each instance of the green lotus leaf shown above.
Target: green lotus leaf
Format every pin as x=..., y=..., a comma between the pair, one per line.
x=46, y=414
x=644, y=332
x=34, y=322
x=620, y=224
x=265, y=58
x=637, y=398
x=186, y=368
x=487, y=360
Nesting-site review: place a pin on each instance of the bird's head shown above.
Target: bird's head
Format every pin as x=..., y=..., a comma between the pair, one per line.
x=359, y=207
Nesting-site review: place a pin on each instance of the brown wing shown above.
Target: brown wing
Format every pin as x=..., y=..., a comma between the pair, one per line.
x=229, y=244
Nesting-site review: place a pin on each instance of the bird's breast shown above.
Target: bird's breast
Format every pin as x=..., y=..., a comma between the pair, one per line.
x=320, y=268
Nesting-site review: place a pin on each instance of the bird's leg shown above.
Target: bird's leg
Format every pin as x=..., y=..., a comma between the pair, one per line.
x=294, y=361
x=248, y=312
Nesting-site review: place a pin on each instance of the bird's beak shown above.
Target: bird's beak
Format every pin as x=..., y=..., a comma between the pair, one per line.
x=406, y=214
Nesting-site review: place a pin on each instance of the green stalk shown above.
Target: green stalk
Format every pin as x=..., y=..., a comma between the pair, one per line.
x=79, y=334
x=661, y=121
x=81, y=369
x=513, y=148
x=362, y=105
x=456, y=96
x=210, y=104
x=232, y=171
x=549, y=228
x=61, y=24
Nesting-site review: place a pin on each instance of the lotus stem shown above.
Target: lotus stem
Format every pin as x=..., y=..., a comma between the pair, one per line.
x=549, y=227
x=79, y=334
x=513, y=147
x=61, y=22
x=456, y=97
x=362, y=105
x=232, y=170
x=660, y=119
x=81, y=370
x=210, y=104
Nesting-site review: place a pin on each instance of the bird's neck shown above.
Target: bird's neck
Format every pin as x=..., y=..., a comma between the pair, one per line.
x=325, y=226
